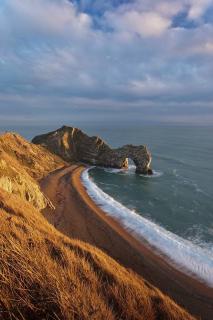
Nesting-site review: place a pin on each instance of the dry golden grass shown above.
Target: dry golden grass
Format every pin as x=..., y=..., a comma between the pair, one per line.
x=45, y=275
x=21, y=164
x=35, y=160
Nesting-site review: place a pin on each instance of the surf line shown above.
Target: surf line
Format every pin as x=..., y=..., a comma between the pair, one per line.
x=181, y=253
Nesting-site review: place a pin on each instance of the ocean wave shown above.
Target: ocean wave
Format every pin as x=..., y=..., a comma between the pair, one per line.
x=192, y=259
x=131, y=170
x=188, y=182
x=156, y=174
x=173, y=160
x=108, y=184
x=195, y=234
x=180, y=162
x=112, y=170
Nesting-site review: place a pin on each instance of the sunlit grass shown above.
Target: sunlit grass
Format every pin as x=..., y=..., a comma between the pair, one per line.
x=45, y=275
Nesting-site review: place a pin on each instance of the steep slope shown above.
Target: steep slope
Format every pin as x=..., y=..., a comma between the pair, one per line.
x=36, y=160
x=45, y=275
x=21, y=164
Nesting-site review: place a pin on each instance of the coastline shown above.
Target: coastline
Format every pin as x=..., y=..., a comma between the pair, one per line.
x=78, y=216
x=181, y=253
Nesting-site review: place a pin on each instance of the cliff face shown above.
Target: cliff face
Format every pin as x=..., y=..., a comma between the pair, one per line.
x=21, y=165
x=74, y=145
x=16, y=181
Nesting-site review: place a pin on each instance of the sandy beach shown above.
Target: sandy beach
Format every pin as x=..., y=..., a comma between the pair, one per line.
x=77, y=216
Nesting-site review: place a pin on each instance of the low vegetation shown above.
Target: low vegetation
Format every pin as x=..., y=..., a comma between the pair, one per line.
x=35, y=160
x=45, y=275
x=21, y=165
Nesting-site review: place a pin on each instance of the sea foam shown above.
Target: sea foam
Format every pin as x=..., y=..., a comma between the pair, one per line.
x=185, y=255
x=131, y=171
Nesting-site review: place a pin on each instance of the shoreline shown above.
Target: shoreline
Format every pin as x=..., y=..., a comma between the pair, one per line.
x=78, y=216
x=187, y=257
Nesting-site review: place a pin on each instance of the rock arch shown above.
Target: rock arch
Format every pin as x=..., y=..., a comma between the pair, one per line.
x=71, y=144
x=139, y=155
x=118, y=158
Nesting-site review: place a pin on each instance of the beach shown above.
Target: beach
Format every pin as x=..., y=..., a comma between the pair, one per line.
x=77, y=216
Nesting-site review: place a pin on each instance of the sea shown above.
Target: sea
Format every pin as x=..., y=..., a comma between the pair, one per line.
x=171, y=211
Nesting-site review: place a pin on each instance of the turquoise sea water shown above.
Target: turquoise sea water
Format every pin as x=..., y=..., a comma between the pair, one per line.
x=179, y=197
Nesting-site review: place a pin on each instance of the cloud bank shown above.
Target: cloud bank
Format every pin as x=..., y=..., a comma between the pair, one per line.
x=143, y=58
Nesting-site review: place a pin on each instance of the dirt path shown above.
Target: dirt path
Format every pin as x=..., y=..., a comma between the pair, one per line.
x=77, y=216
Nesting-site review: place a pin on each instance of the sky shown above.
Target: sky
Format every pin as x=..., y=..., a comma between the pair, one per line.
x=112, y=61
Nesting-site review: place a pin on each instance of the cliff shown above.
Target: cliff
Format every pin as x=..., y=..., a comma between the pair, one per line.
x=72, y=144
x=21, y=165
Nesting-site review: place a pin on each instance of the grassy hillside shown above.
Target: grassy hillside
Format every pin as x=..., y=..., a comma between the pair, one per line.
x=35, y=160
x=45, y=275
x=21, y=165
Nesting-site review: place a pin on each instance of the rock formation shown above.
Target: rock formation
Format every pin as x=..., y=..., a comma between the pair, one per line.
x=21, y=184
x=71, y=144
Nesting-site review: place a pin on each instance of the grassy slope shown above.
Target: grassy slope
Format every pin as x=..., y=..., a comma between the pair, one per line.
x=45, y=275
x=21, y=164
x=35, y=160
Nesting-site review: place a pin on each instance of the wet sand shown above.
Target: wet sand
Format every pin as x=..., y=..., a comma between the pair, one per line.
x=77, y=216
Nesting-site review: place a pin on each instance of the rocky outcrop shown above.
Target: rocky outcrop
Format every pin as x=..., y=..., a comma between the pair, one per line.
x=74, y=145
x=118, y=158
x=19, y=182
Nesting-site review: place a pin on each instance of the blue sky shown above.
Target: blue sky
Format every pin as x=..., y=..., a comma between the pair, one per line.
x=63, y=61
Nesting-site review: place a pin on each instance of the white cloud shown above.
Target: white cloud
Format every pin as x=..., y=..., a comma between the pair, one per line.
x=149, y=86
x=48, y=48
x=42, y=17
x=169, y=8
x=144, y=24
x=150, y=18
x=193, y=42
x=197, y=8
x=204, y=48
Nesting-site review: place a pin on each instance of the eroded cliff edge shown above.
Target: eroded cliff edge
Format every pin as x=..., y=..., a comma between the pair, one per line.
x=22, y=165
x=72, y=144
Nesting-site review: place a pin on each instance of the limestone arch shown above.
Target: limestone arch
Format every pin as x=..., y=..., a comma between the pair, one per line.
x=139, y=155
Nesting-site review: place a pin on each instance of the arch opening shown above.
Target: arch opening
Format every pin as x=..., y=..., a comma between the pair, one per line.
x=131, y=163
